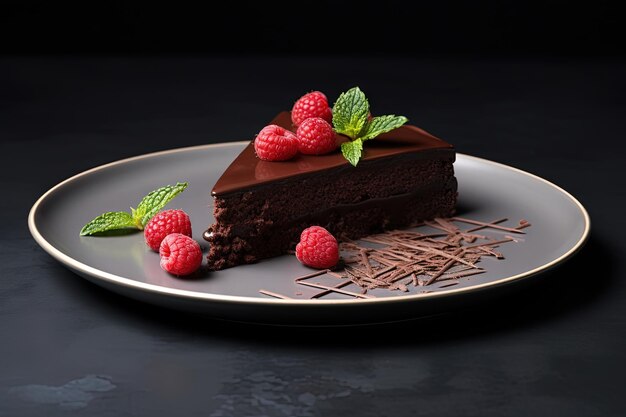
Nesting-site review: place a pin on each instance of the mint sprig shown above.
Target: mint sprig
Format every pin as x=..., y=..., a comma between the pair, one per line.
x=351, y=112
x=137, y=218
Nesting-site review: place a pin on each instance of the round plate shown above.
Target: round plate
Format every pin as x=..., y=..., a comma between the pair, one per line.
x=124, y=264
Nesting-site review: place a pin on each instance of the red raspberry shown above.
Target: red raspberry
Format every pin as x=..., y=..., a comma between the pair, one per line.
x=274, y=143
x=316, y=137
x=313, y=104
x=317, y=248
x=164, y=223
x=180, y=254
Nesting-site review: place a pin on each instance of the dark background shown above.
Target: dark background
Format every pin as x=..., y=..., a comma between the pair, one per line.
x=550, y=27
x=539, y=86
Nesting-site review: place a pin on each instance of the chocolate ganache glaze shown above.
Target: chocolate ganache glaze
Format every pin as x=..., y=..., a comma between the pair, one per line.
x=248, y=171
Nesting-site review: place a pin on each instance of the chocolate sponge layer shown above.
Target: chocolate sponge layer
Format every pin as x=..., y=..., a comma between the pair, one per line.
x=266, y=221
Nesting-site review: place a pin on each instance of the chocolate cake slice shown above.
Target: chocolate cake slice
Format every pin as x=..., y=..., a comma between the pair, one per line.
x=261, y=207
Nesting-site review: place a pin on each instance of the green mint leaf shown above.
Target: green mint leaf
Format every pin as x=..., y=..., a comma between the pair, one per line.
x=108, y=221
x=382, y=124
x=352, y=151
x=350, y=112
x=155, y=201
x=350, y=118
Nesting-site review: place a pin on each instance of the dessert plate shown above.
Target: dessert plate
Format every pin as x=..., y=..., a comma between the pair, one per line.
x=124, y=264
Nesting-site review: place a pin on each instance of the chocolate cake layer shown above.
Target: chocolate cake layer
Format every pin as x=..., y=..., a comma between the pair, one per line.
x=262, y=207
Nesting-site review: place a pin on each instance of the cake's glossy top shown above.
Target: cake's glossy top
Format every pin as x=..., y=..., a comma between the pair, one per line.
x=247, y=170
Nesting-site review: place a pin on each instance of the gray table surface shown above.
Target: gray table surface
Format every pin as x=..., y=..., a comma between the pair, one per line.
x=556, y=348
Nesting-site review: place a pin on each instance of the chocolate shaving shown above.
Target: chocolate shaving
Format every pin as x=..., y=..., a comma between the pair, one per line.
x=366, y=262
x=464, y=274
x=274, y=294
x=484, y=226
x=444, y=268
x=493, y=226
x=313, y=274
x=335, y=289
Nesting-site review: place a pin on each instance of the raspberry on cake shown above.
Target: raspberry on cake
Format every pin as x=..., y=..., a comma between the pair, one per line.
x=314, y=104
x=316, y=137
x=403, y=177
x=275, y=143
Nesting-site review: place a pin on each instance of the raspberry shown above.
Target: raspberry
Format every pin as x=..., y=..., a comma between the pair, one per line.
x=180, y=254
x=317, y=248
x=313, y=104
x=164, y=223
x=316, y=137
x=274, y=143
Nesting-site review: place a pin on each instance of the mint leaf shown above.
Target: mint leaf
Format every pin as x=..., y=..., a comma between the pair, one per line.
x=350, y=118
x=352, y=151
x=108, y=221
x=382, y=124
x=155, y=201
x=350, y=112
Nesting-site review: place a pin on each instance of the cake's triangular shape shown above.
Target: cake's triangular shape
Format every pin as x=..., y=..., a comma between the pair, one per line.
x=247, y=170
x=261, y=207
